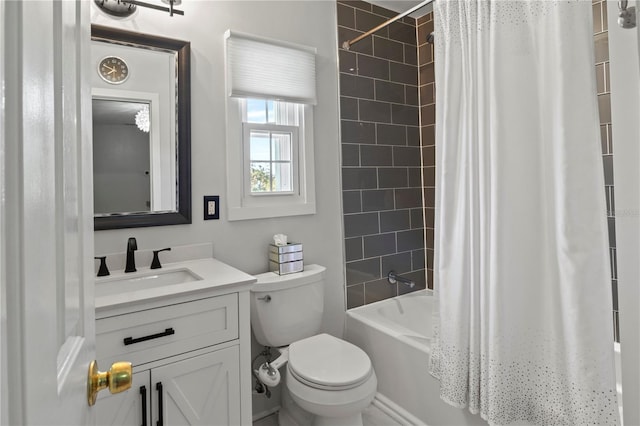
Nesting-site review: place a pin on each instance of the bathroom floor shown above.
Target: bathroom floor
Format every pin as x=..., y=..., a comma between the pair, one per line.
x=372, y=416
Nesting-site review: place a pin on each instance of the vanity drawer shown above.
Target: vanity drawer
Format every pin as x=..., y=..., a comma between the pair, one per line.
x=149, y=335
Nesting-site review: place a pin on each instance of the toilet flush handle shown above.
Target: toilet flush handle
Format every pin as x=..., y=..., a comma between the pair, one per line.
x=266, y=298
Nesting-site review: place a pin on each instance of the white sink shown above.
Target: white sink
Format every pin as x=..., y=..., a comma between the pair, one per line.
x=144, y=281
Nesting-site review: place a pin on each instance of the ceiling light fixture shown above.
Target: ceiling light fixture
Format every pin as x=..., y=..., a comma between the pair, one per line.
x=124, y=8
x=142, y=119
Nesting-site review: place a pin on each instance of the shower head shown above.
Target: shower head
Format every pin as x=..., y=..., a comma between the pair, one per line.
x=431, y=37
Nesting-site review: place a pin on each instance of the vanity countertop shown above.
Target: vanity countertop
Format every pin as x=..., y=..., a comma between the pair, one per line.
x=213, y=278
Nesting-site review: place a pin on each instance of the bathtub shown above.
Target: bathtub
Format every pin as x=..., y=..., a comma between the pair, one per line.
x=396, y=334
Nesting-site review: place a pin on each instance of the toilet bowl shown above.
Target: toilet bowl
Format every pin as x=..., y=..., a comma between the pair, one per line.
x=330, y=378
x=328, y=381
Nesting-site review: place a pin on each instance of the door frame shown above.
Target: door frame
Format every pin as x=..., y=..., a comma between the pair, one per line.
x=625, y=113
x=4, y=402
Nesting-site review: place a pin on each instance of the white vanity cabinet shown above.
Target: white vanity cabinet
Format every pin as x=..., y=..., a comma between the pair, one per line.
x=203, y=389
x=187, y=350
x=129, y=408
x=199, y=390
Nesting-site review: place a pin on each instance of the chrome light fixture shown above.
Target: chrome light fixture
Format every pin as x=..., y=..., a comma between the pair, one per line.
x=627, y=15
x=124, y=8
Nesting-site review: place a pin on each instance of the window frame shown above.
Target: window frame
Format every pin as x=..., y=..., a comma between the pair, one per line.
x=295, y=157
x=240, y=205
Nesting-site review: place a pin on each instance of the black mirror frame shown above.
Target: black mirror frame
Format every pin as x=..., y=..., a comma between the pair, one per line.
x=183, y=214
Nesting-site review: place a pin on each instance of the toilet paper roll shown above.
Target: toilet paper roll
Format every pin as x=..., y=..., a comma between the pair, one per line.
x=269, y=375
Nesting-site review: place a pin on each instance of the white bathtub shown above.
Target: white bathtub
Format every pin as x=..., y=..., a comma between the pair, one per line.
x=396, y=334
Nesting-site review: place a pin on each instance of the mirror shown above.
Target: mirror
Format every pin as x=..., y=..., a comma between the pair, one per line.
x=141, y=129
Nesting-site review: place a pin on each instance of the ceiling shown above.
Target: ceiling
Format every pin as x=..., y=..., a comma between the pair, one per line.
x=109, y=111
x=403, y=5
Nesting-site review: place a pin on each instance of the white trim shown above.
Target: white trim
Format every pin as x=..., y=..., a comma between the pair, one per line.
x=4, y=384
x=238, y=206
x=395, y=411
x=625, y=107
x=12, y=390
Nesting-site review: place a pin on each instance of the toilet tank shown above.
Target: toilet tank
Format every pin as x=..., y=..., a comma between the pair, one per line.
x=287, y=308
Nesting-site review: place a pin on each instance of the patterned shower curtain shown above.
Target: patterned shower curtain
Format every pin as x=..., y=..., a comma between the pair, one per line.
x=522, y=273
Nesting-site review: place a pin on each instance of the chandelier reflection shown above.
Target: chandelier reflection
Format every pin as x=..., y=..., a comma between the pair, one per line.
x=142, y=119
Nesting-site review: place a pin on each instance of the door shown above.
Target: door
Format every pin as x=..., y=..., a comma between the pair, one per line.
x=625, y=117
x=46, y=218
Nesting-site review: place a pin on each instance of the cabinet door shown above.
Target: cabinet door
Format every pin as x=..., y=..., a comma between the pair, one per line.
x=129, y=408
x=203, y=390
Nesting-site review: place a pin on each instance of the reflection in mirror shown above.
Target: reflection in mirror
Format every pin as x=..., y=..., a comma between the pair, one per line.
x=121, y=163
x=141, y=129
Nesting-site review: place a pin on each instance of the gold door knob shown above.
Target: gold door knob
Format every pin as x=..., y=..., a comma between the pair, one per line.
x=117, y=379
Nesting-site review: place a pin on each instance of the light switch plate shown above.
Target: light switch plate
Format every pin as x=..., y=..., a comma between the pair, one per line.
x=211, y=207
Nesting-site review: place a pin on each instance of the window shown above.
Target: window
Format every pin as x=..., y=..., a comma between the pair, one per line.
x=270, y=170
x=270, y=160
x=270, y=136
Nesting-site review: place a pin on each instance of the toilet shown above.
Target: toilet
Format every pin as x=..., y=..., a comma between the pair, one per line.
x=327, y=381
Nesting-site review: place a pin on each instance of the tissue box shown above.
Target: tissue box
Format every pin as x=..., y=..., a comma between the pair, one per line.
x=286, y=259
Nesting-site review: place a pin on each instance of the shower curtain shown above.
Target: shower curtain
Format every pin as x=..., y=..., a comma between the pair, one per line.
x=521, y=269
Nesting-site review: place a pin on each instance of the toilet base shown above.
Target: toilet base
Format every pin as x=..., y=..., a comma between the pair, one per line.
x=291, y=414
x=355, y=420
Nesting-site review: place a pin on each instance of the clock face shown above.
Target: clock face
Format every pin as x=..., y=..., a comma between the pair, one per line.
x=113, y=70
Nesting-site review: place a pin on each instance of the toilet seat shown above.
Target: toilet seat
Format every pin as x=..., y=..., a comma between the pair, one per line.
x=328, y=363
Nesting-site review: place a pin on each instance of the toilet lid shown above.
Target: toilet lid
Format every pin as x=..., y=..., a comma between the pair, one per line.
x=327, y=361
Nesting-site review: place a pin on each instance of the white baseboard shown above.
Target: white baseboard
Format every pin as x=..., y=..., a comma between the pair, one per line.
x=380, y=401
x=395, y=411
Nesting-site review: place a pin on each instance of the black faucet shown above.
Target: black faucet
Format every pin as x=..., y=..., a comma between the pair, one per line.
x=103, y=271
x=155, y=263
x=132, y=246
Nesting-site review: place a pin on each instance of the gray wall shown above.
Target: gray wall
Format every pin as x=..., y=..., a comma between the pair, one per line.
x=243, y=244
x=120, y=184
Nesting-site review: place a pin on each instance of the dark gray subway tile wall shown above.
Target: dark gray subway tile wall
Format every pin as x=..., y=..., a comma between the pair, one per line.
x=381, y=154
x=427, y=90
x=601, y=41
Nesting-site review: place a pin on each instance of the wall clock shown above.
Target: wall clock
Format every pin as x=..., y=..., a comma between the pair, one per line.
x=113, y=70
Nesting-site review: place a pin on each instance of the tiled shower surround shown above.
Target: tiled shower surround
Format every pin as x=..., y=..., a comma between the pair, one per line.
x=387, y=87
x=601, y=39
x=381, y=154
x=427, y=80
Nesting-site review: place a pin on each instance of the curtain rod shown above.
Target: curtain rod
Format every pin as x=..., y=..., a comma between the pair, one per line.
x=347, y=44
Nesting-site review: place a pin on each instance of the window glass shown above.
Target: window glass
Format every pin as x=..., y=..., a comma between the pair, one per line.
x=260, y=177
x=259, y=145
x=256, y=111
x=281, y=177
x=271, y=111
x=281, y=146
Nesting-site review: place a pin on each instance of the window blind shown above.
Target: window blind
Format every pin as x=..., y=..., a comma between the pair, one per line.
x=271, y=69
